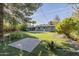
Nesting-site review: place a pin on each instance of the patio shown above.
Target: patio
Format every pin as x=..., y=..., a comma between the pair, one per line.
x=27, y=44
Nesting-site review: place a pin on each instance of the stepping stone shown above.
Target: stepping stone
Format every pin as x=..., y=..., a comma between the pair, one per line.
x=27, y=44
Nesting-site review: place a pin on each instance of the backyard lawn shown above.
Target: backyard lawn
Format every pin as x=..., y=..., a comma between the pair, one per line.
x=25, y=32
x=42, y=49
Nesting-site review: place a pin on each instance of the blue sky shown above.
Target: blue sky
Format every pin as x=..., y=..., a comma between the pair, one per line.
x=48, y=11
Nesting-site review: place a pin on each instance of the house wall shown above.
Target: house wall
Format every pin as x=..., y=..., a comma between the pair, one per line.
x=43, y=28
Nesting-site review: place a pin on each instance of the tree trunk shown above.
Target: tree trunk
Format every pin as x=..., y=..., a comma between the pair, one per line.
x=70, y=37
x=1, y=21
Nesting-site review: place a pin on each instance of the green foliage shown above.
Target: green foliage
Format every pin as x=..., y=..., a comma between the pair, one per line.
x=17, y=35
x=55, y=21
x=6, y=26
x=23, y=27
x=68, y=26
x=19, y=13
x=33, y=22
x=76, y=10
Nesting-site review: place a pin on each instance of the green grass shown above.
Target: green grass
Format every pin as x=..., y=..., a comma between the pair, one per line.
x=42, y=49
x=48, y=36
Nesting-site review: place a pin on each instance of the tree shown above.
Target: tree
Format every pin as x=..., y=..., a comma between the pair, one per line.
x=23, y=27
x=1, y=21
x=67, y=26
x=76, y=13
x=51, y=23
x=19, y=12
x=16, y=13
x=76, y=10
x=55, y=21
x=57, y=18
x=33, y=22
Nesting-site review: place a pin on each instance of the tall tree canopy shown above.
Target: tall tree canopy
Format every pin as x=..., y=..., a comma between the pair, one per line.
x=19, y=12
x=16, y=13
x=75, y=7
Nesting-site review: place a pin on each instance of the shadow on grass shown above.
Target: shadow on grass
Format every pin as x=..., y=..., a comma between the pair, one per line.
x=42, y=50
x=73, y=53
x=61, y=51
x=18, y=36
x=6, y=50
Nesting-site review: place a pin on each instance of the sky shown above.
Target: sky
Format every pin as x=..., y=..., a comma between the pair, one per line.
x=48, y=11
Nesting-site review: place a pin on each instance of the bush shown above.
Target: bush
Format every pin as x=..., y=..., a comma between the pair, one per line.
x=23, y=27
x=51, y=45
x=67, y=26
x=6, y=26
x=17, y=35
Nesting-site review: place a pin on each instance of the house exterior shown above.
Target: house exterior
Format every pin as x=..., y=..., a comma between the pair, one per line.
x=42, y=27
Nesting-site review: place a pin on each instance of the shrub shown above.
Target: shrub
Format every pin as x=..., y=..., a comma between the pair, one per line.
x=23, y=27
x=67, y=26
x=6, y=26
x=17, y=35
x=51, y=45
